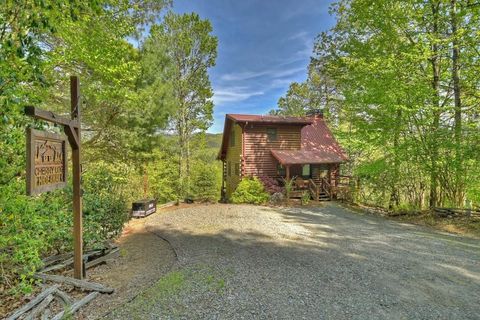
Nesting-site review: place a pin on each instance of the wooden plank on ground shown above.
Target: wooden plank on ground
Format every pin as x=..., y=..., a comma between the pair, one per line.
x=111, y=255
x=69, y=261
x=77, y=305
x=92, y=286
x=64, y=297
x=40, y=307
x=33, y=302
x=53, y=259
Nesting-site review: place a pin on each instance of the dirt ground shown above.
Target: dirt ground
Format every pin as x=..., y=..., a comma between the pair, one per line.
x=317, y=262
x=144, y=258
x=254, y=262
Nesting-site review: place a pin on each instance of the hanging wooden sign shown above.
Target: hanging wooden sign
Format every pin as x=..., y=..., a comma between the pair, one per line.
x=46, y=161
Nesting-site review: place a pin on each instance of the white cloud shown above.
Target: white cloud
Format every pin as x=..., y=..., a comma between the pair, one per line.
x=246, y=75
x=299, y=35
x=307, y=41
x=280, y=83
x=233, y=94
x=273, y=73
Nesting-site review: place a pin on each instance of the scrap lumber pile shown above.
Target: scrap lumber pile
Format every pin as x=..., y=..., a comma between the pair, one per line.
x=456, y=212
x=39, y=306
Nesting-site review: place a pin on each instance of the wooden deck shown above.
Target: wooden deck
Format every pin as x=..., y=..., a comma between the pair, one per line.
x=322, y=190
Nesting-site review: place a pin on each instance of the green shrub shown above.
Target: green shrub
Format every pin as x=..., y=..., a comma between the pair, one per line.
x=105, y=206
x=305, y=198
x=34, y=227
x=163, y=178
x=29, y=229
x=250, y=190
x=206, y=181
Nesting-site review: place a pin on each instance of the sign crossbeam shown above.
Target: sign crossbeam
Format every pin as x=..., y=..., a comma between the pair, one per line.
x=49, y=116
x=72, y=128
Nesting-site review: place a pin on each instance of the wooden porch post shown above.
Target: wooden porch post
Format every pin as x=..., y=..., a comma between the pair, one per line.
x=287, y=174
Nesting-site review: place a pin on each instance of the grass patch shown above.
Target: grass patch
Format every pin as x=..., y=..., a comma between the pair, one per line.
x=171, y=295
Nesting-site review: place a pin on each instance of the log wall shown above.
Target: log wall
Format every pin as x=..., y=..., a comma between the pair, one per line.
x=258, y=160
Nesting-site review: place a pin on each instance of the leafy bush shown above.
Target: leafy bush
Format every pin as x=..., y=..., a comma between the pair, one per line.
x=104, y=206
x=29, y=229
x=34, y=227
x=163, y=178
x=250, y=190
x=271, y=185
x=206, y=182
x=305, y=198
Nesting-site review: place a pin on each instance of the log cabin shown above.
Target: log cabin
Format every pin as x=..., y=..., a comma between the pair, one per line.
x=283, y=148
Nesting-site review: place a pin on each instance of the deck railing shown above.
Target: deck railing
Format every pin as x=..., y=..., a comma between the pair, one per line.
x=327, y=187
x=314, y=189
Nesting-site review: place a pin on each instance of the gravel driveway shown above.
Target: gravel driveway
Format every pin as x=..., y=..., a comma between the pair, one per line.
x=244, y=262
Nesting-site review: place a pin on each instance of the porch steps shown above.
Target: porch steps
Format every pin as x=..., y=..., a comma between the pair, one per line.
x=298, y=195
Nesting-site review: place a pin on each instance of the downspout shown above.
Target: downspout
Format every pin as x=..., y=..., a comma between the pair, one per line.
x=223, y=193
x=242, y=156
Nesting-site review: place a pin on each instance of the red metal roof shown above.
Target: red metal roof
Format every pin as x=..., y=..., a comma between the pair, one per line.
x=318, y=144
x=288, y=157
x=269, y=119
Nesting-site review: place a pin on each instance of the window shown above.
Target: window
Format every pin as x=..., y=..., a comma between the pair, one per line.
x=229, y=169
x=232, y=138
x=306, y=170
x=237, y=169
x=271, y=134
x=281, y=170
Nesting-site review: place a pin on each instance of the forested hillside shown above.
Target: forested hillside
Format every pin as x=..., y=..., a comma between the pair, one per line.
x=398, y=81
x=146, y=104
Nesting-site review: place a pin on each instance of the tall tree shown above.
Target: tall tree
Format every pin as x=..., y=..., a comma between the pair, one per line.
x=401, y=78
x=192, y=50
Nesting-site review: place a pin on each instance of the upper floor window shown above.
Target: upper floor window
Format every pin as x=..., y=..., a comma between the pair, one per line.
x=271, y=134
x=232, y=138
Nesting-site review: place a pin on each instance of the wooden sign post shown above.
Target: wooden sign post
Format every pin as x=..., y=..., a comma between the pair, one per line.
x=47, y=166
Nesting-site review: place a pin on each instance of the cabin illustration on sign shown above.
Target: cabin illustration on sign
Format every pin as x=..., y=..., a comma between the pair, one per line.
x=46, y=152
x=282, y=148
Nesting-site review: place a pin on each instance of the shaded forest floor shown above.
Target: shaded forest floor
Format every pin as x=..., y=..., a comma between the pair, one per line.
x=464, y=226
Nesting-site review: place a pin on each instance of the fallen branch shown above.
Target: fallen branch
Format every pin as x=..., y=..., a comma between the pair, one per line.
x=33, y=302
x=77, y=305
x=92, y=286
x=40, y=307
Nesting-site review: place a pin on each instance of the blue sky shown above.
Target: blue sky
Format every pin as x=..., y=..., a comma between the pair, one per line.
x=264, y=45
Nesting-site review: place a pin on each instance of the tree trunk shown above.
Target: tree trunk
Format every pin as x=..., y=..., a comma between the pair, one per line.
x=394, y=193
x=458, y=188
x=434, y=61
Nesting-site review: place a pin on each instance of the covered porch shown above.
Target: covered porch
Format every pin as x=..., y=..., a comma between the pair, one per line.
x=315, y=172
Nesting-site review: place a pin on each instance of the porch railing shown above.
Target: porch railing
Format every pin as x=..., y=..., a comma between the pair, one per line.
x=313, y=188
x=326, y=187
